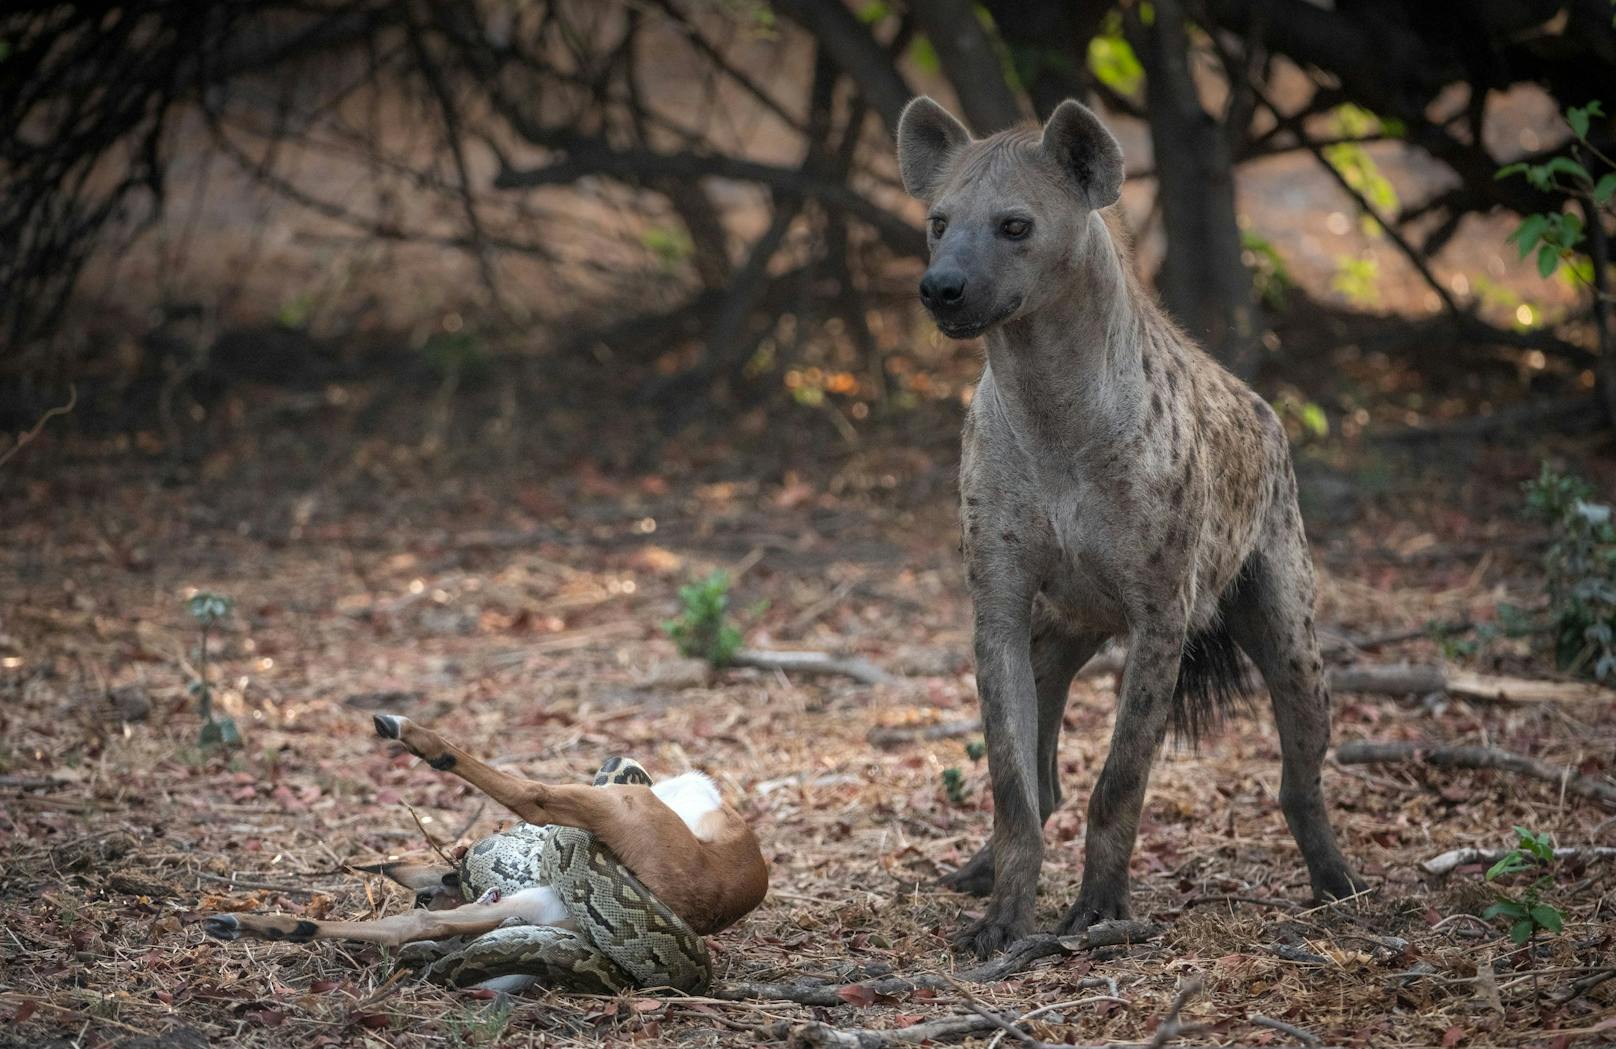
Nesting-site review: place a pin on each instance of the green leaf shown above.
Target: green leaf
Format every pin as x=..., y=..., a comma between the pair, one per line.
x=219, y=733
x=1504, y=909
x=874, y=11
x=1578, y=117
x=1509, y=863
x=1113, y=63
x=1539, y=844
x=1605, y=188
x=924, y=55
x=1522, y=931
x=1510, y=169
x=1528, y=233
x=1548, y=917
x=1565, y=165
x=1548, y=260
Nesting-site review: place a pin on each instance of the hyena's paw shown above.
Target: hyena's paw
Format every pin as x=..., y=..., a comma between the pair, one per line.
x=1092, y=908
x=975, y=878
x=1338, y=884
x=989, y=935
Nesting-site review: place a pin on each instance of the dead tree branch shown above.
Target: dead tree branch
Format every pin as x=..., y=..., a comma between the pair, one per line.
x=1368, y=752
x=1451, y=860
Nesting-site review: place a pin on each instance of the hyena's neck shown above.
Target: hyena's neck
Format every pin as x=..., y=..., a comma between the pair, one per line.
x=1069, y=374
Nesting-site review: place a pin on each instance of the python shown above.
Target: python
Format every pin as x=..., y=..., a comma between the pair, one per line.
x=604, y=887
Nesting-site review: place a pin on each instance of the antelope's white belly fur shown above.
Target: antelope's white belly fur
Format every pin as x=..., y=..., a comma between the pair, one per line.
x=691, y=796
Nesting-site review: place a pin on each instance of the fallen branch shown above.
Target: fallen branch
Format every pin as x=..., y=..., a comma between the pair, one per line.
x=1369, y=752
x=1169, y=1027
x=50, y=413
x=1021, y=954
x=816, y=1035
x=1424, y=678
x=1456, y=858
x=1307, y=1038
x=1584, y=985
x=812, y=663
x=897, y=735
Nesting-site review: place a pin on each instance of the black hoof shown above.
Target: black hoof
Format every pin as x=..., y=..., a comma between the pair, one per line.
x=222, y=927
x=388, y=726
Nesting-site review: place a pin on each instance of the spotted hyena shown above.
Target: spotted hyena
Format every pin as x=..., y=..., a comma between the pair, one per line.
x=1115, y=480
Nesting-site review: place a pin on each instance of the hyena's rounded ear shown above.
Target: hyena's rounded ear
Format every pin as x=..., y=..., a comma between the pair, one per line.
x=1086, y=151
x=927, y=135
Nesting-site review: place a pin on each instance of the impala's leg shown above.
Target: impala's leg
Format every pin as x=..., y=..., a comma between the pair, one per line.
x=521, y=796
x=539, y=906
x=647, y=836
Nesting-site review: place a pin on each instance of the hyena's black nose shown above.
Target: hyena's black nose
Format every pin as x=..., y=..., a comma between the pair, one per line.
x=942, y=289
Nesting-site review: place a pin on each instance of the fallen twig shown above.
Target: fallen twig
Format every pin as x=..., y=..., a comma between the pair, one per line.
x=1295, y=954
x=1053, y=1007
x=1455, y=858
x=21, y=782
x=814, y=1035
x=1584, y=985
x=859, y=670
x=27, y=436
x=1307, y=1038
x=1256, y=901
x=267, y=886
x=1168, y=1028
x=1365, y=752
x=1423, y=678
x=1020, y=955
x=896, y=735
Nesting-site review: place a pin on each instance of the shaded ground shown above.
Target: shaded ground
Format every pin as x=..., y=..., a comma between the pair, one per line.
x=511, y=591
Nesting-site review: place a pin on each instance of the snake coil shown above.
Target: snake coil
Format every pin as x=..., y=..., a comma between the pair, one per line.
x=625, y=937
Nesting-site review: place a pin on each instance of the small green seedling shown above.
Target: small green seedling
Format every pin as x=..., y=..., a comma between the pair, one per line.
x=208, y=610
x=1579, y=570
x=701, y=630
x=954, y=785
x=976, y=750
x=1527, y=913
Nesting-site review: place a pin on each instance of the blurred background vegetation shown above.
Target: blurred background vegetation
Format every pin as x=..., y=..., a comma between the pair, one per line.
x=689, y=206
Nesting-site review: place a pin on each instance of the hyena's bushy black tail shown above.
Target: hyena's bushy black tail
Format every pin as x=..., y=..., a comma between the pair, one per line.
x=1212, y=679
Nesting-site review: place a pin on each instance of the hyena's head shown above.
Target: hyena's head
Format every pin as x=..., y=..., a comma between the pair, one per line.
x=1009, y=215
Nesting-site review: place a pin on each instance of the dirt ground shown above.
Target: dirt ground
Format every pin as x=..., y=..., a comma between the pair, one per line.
x=513, y=594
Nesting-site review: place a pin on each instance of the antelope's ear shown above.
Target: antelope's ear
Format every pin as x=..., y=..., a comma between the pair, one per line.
x=1076, y=140
x=928, y=135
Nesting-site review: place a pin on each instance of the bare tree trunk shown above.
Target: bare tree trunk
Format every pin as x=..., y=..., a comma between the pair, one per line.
x=855, y=50
x=1599, y=254
x=1050, y=43
x=970, y=61
x=1203, y=281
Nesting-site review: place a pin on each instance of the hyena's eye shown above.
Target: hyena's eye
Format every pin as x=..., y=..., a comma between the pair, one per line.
x=938, y=226
x=1015, y=229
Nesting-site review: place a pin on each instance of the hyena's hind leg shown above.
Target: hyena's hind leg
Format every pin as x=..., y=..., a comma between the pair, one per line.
x=1271, y=618
x=1057, y=656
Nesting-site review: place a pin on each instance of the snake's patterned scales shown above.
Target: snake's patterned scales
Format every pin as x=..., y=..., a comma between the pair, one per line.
x=625, y=936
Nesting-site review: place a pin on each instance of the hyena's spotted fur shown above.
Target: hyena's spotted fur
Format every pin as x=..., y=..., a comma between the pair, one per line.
x=1115, y=481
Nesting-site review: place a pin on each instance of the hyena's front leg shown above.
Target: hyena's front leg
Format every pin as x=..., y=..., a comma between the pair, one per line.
x=1057, y=656
x=1004, y=678
x=1145, y=705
